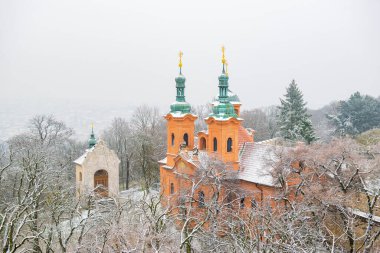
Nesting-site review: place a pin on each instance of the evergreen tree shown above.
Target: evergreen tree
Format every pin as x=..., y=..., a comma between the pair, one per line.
x=293, y=119
x=357, y=115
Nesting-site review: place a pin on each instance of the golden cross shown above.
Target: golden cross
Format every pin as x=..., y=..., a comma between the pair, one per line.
x=223, y=56
x=180, y=59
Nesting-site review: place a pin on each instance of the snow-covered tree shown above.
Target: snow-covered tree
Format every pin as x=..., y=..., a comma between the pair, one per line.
x=118, y=137
x=293, y=119
x=356, y=115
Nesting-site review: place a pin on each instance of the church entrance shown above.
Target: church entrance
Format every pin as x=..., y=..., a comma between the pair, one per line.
x=101, y=183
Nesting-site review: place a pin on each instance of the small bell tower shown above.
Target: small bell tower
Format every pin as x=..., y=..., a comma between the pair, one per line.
x=223, y=124
x=92, y=140
x=180, y=120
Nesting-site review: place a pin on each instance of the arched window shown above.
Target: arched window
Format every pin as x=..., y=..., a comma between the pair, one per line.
x=215, y=144
x=229, y=199
x=229, y=145
x=182, y=206
x=80, y=176
x=171, y=188
x=186, y=139
x=242, y=204
x=202, y=144
x=201, y=199
x=172, y=139
x=253, y=203
x=101, y=182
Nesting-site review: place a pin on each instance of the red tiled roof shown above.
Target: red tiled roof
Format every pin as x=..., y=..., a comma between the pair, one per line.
x=255, y=163
x=244, y=137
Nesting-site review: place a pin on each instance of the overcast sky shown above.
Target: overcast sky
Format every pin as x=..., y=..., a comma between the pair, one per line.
x=126, y=51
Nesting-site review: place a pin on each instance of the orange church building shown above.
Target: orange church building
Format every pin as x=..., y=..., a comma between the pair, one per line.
x=225, y=143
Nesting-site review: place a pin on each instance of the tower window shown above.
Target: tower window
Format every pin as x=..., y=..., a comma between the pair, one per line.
x=242, y=204
x=253, y=203
x=171, y=188
x=172, y=139
x=186, y=139
x=202, y=144
x=230, y=199
x=215, y=144
x=229, y=145
x=201, y=199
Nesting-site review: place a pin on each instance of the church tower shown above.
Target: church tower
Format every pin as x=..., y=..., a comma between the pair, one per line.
x=223, y=125
x=180, y=121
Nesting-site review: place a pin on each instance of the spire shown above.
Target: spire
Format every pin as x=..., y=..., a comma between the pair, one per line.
x=92, y=140
x=223, y=80
x=223, y=108
x=223, y=58
x=180, y=81
x=180, y=62
x=180, y=105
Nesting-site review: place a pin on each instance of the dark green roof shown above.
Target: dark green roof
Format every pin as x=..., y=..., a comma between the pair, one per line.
x=222, y=107
x=92, y=140
x=232, y=97
x=223, y=110
x=180, y=106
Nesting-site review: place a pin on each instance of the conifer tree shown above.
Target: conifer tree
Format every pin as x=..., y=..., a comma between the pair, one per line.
x=358, y=114
x=293, y=119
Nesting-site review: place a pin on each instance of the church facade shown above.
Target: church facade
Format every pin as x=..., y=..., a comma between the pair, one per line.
x=97, y=170
x=225, y=143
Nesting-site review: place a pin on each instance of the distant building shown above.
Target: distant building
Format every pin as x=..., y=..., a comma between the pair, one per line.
x=225, y=139
x=97, y=169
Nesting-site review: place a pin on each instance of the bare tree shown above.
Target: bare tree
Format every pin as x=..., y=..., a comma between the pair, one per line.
x=119, y=138
x=263, y=121
x=202, y=111
x=332, y=179
x=149, y=138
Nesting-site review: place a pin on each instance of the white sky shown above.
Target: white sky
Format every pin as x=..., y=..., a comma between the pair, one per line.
x=126, y=51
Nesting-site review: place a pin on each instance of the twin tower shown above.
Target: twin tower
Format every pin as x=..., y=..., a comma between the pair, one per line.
x=222, y=136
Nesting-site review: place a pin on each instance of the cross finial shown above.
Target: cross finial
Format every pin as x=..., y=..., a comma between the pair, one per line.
x=180, y=54
x=223, y=56
x=92, y=127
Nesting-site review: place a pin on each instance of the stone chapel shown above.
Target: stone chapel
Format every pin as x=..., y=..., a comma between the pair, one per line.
x=97, y=170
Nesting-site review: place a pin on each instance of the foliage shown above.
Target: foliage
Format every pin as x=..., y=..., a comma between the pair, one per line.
x=356, y=115
x=370, y=137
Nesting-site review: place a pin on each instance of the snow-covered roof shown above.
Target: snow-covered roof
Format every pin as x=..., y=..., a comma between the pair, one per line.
x=82, y=158
x=220, y=117
x=232, y=97
x=179, y=114
x=255, y=163
x=163, y=161
x=244, y=136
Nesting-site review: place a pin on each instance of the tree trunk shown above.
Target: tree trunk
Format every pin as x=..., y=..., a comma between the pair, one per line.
x=127, y=174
